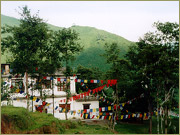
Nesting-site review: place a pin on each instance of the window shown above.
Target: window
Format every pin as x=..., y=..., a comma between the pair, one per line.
x=46, y=84
x=5, y=69
x=63, y=106
x=61, y=86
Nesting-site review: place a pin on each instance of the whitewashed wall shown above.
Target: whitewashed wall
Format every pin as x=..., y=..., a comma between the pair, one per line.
x=74, y=105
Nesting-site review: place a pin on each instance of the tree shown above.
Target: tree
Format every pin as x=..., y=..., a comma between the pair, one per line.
x=65, y=41
x=27, y=43
x=118, y=70
x=156, y=61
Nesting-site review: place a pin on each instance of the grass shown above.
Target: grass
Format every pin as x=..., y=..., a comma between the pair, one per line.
x=25, y=121
x=127, y=128
x=88, y=129
x=28, y=121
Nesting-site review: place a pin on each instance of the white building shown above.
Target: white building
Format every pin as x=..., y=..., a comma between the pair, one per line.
x=55, y=104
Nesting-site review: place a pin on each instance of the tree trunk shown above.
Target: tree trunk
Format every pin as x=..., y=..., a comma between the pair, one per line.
x=27, y=90
x=150, y=120
x=53, y=93
x=161, y=122
x=116, y=112
x=166, y=122
x=158, y=113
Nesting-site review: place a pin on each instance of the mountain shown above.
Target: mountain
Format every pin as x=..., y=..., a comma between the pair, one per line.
x=91, y=38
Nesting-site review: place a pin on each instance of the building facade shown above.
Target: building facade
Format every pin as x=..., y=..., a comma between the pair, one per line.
x=52, y=104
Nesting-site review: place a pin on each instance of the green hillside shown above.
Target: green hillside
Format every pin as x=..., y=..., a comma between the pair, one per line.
x=91, y=38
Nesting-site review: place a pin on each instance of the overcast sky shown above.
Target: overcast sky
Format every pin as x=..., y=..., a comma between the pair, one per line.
x=125, y=18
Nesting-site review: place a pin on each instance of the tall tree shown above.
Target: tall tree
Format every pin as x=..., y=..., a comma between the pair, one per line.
x=118, y=70
x=66, y=41
x=156, y=61
x=27, y=43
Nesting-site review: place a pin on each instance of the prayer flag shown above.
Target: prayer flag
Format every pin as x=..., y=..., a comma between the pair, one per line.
x=48, y=78
x=44, y=77
x=78, y=80
x=102, y=117
x=109, y=108
x=85, y=81
x=51, y=78
x=105, y=117
x=86, y=116
x=123, y=104
x=94, y=110
x=102, y=81
x=34, y=98
x=82, y=81
x=103, y=109
x=95, y=81
x=106, y=108
x=100, y=109
x=92, y=81
x=121, y=116
x=88, y=110
x=93, y=117
x=126, y=116
x=109, y=117
x=58, y=79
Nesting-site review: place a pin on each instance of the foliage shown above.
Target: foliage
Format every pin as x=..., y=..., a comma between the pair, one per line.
x=91, y=38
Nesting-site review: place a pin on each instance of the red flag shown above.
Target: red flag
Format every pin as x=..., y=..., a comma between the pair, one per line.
x=92, y=81
x=81, y=114
x=102, y=81
x=140, y=116
x=116, y=117
x=109, y=82
x=36, y=68
x=74, y=75
x=44, y=77
x=93, y=116
x=85, y=110
x=129, y=116
x=105, y=117
x=58, y=79
x=96, y=89
x=43, y=103
x=107, y=113
x=115, y=81
x=75, y=80
x=100, y=109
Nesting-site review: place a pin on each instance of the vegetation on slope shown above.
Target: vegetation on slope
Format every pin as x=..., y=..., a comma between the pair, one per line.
x=91, y=38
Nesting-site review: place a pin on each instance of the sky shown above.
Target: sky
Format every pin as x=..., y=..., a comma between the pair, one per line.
x=129, y=19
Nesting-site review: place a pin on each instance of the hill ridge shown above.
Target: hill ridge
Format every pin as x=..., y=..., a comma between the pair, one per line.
x=92, y=38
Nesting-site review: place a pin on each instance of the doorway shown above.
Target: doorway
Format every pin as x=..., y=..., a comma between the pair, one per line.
x=86, y=106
